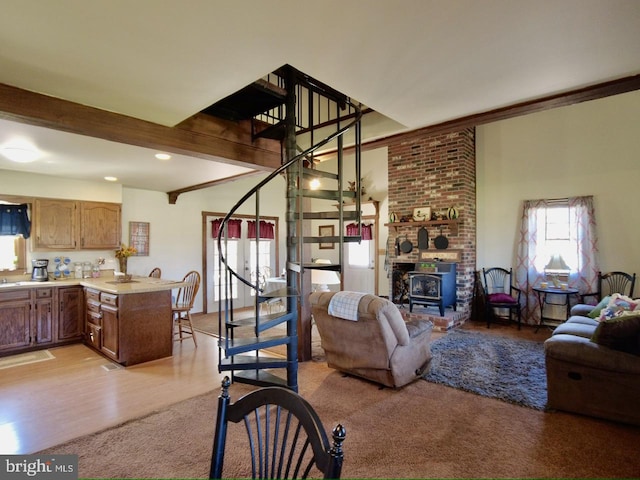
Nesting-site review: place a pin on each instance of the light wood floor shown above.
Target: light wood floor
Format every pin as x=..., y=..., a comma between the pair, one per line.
x=44, y=404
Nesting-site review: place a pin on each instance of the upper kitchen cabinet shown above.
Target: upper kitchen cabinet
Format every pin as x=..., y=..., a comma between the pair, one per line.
x=74, y=225
x=100, y=225
x=55, y=224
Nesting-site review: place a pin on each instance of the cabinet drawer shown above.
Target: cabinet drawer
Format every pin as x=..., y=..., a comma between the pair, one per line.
x=93, y=318
x=12, y=295
x=94, y=336
x=109, y=299
x=44, y=292
x=92, y=295
x=93, y=306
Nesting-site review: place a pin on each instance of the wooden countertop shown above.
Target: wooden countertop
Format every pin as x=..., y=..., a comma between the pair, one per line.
x=105, y=284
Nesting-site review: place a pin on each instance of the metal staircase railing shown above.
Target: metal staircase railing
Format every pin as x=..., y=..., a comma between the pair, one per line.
x=294, y=124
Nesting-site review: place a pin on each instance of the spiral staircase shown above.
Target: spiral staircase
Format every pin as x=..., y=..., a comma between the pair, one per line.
x=305, y=115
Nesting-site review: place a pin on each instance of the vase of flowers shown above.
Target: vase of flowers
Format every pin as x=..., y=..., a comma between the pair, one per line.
x=123, y=254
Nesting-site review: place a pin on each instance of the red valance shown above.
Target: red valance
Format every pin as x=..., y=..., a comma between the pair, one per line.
x=234, y=228
x=267, y=230
x=367, y=231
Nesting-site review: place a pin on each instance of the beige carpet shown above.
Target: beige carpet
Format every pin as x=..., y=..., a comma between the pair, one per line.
x=424, y=430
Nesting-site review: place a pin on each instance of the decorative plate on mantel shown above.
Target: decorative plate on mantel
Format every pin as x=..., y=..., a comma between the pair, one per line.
x=422, y=214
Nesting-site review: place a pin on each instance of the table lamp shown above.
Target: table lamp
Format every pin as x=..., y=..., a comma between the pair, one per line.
x=555, y=267
x=323, y=278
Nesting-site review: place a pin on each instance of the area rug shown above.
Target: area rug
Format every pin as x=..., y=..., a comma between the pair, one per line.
x=507, y=369
x=25, y=358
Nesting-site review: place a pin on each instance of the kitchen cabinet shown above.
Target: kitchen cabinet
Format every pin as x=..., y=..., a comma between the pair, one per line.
x=70, y=314
x=27, y=319
x=43, y=317
x=72, y=225
x=129, y=328
x=15, y=320
x=100, y=225
x=55, y=224
x=110, y=321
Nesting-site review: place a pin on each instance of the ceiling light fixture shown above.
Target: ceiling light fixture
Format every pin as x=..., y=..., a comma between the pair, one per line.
x=111, y=179
x=20, y=154
x=163, y=156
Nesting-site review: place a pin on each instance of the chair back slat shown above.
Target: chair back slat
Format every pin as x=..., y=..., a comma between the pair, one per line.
x=617, y=282
x=187, y=294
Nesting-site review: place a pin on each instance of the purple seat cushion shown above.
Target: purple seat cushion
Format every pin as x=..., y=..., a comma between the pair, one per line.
x=501, y=298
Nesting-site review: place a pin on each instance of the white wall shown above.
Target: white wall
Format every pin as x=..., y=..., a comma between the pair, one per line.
x=592, y=148
x=176, y=230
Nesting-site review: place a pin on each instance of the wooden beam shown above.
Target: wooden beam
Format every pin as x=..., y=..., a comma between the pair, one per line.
x=201, y=136
x=173, y=195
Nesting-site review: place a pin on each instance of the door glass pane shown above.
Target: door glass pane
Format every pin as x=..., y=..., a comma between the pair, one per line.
x=232, y=259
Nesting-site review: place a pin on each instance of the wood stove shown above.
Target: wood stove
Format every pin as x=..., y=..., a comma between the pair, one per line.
x=433, y=283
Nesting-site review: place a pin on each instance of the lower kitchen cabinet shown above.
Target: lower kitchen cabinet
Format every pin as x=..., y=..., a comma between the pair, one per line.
x=129, y=328
x=44, y=317
x=27, y=318
x=15, y=315
x=70, y=314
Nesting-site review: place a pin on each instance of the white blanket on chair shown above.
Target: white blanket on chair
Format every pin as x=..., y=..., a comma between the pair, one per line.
x=345, y=305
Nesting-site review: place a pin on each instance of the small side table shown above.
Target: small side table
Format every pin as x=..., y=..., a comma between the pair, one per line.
x=542, y=301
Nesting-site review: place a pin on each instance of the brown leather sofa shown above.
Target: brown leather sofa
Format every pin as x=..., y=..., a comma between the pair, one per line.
x=379, y=346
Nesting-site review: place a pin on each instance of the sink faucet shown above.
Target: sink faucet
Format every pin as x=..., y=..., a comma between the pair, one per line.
x=4, y=280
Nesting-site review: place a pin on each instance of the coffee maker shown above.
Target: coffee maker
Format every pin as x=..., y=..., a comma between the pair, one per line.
x=39, y=272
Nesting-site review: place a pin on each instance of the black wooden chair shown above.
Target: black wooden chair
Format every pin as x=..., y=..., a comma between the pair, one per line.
x=612, y=282
x=285, y=436
x=499, y=292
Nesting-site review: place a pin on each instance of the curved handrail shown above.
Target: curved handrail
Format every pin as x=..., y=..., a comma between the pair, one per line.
x=273, y=174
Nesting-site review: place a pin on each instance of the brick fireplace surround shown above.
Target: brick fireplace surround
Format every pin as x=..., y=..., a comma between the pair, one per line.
x=435, y=171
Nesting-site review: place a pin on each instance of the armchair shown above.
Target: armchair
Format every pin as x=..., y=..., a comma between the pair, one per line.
x=499, y=292
x=378, y=346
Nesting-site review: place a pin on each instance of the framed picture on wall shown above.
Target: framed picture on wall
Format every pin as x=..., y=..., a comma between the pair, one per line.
x=139, y=237
x=326, y=231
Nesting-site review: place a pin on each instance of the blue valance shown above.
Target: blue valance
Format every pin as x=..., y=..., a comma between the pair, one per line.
x=14, y=220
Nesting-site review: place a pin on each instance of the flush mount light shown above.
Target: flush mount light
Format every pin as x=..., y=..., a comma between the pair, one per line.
x=163, y=156
x=111, y=179
x=20, y=154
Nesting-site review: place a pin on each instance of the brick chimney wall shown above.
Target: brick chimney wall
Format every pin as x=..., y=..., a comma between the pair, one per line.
x=436, y=171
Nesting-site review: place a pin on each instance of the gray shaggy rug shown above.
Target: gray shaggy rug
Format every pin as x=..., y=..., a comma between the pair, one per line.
x=491, y=366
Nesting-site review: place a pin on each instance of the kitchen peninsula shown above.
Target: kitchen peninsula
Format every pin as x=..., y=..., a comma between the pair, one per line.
x=128, y=322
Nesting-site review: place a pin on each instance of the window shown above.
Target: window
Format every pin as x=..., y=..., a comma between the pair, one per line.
x=549, y=228
x=557, y=238
x=359, y=254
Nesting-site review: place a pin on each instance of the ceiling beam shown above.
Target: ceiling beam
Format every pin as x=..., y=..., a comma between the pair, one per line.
x=200, y=136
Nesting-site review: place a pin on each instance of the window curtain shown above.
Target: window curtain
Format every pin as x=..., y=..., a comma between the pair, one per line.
x=14, y=220
x=367, y=231
x=267, y=230
x=584, y=276
x=234, y=228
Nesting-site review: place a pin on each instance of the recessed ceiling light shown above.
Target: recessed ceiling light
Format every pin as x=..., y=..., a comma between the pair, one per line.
x=20, y=154
x=111, y=179
x=163, y=156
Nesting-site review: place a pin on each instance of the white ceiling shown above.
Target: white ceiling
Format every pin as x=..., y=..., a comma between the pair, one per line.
x=418, y=62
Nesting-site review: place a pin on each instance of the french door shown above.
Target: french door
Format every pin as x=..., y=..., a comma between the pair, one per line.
x=242, y=257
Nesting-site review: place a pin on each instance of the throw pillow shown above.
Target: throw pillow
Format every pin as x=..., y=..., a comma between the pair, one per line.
x=501, y=298
x=618, y=306
x=619, y=333
x=595, y=313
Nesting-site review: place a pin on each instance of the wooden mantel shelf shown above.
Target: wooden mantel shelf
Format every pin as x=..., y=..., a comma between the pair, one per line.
x=453, y=224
